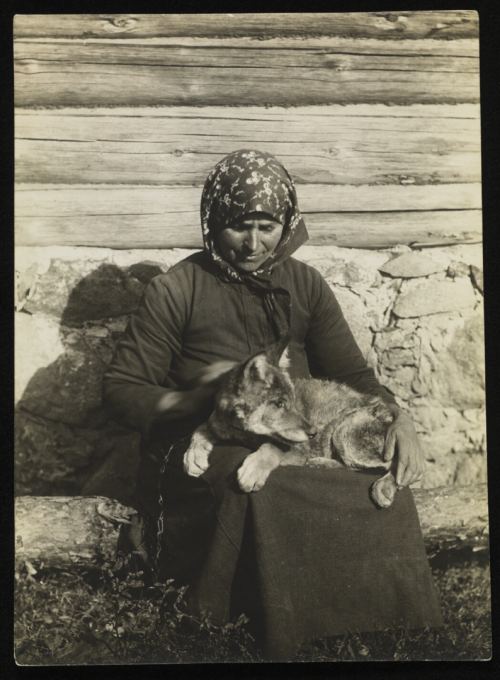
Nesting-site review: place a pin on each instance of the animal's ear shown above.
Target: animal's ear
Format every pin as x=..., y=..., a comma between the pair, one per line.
x=284, y=361
x=277, y=354
x=256, y=367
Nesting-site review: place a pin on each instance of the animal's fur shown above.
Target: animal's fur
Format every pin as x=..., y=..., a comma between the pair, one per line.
x=304, y=422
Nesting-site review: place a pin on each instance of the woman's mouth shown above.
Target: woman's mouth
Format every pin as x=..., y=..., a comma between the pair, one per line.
x=250, y=258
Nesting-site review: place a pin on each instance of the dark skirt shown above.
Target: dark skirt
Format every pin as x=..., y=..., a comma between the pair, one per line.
x=308, y=556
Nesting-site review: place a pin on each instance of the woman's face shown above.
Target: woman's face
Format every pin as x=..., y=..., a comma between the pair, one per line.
x=247, y=243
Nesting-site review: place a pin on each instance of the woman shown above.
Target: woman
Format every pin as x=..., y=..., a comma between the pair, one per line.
x=308, y=555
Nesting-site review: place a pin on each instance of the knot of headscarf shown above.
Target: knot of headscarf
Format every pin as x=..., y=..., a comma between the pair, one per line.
x=248, y=181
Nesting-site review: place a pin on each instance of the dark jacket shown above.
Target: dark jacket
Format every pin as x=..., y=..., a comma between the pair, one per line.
x=188, y=318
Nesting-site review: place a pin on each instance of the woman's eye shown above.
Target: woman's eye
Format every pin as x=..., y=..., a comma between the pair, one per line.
x=263, y=226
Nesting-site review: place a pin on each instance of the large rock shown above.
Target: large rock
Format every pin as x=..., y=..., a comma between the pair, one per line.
x=435, y=367
x=51, y=457
x=435, y=297
x=458, y=376
x=48, y=456
x=59, y=369
x=350, y=274
x=37, y=344
x=411, y=265
x=332, y=269
x=68, y=389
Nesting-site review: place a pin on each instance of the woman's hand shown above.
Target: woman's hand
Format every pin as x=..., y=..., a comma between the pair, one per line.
x=199, y=395
x=401, y=439
x=211, y=374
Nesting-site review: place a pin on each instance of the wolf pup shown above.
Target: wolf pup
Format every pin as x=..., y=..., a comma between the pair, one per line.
x=305, y=422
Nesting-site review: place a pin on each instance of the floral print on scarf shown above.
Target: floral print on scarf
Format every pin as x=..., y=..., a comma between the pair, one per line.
x=251, y=181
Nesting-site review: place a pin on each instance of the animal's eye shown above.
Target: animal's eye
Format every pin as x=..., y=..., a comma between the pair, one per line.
x=280, y=403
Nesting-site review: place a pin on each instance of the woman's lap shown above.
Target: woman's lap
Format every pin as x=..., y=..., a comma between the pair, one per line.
x=310, y=547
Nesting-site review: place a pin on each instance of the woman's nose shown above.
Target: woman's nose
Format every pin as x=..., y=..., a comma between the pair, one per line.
x=252, y=239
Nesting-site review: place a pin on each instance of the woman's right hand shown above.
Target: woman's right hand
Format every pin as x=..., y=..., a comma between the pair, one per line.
x=180, y=404
x=211, y=374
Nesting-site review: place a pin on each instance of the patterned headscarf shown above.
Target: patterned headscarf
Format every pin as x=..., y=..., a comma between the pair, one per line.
x=254, y=181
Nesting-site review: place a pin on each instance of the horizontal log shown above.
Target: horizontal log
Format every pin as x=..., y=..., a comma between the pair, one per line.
x=455, y=517
x=168, y=217
x=144, y=75
x=386, y=229
x=349, y=55
x=385, y=25
x=80, y=532
x=355, y=230
x=57, y=200
x=65, y=532
x=329, y=145
x=341, y=45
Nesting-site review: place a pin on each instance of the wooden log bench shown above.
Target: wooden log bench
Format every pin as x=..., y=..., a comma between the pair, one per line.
x=82, y=532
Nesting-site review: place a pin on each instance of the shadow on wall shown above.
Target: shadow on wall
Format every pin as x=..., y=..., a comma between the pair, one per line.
x=66, y=334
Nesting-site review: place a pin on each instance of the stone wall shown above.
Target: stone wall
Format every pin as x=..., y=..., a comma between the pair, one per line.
x=417, y=316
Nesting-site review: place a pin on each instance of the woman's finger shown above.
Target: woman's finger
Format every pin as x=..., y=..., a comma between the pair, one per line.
x=413, y=467
x=409, y=476
x=400, y=472
x=389, y=446
x=420, y=466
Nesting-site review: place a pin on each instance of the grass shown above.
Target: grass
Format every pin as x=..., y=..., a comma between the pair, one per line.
x=68, y=618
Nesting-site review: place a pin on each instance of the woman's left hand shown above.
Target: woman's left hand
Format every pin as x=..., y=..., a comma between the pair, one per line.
x=401, y=439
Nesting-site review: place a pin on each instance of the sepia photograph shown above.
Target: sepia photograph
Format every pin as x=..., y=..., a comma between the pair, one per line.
x=250, y=418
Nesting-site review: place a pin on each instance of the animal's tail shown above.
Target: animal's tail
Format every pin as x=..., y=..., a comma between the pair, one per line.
x=360, y=437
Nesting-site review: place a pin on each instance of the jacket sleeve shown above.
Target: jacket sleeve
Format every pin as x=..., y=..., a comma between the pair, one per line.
x=331, y=349
x=138, y=375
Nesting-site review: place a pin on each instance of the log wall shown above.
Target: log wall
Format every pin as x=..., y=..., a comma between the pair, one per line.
x=386, y=102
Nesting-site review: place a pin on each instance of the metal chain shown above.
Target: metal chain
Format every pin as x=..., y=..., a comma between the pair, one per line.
x=159, y=533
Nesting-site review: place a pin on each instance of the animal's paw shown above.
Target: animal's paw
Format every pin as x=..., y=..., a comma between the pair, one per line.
x=196, y=458
x=384, y=491
x=254, y=472
x=323, y=463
